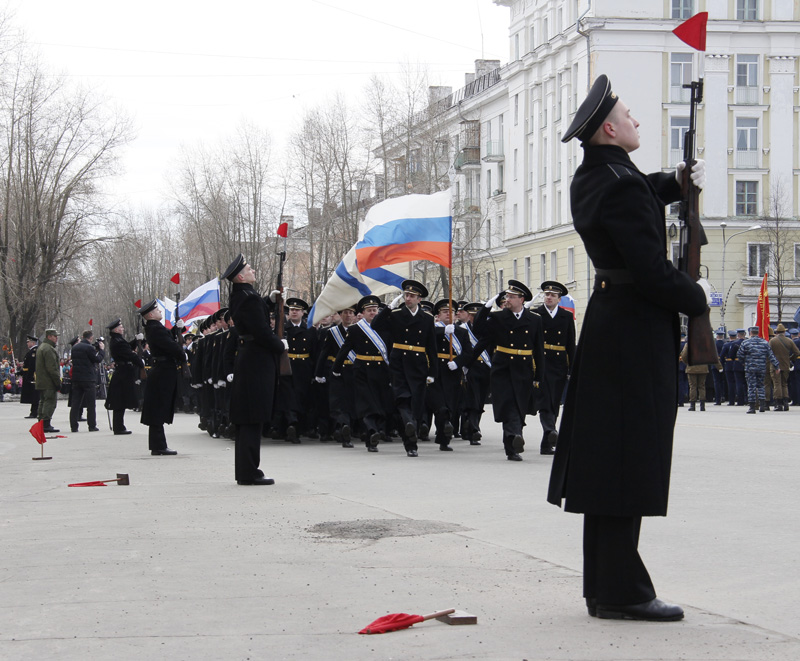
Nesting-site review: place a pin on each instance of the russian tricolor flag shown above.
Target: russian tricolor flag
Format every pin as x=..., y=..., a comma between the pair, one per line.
x=202, y=302
x=405, y=229
x=568, y=303
x=394, y=233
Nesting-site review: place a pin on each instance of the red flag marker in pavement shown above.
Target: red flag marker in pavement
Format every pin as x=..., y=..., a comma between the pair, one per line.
x=397, y=621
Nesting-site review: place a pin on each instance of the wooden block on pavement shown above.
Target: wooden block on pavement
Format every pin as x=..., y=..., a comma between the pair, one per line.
x=459, y=617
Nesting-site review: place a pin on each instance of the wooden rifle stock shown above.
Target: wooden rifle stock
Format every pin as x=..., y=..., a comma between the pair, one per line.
x=702, y=348
x=284, y=363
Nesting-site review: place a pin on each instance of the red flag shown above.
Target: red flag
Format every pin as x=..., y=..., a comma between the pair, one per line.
x=176, y=278
x=37, y=431
x=90, y=321
x=138, y=303
x=283, y=230
x=393, y=622
x=762, y=310
x=693, y=31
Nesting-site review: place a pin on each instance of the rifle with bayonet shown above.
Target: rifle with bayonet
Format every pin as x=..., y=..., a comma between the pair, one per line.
x=702, y=349
x=284, y=363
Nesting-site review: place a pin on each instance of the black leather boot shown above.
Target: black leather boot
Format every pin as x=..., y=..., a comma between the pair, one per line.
x=752, y=408
x=762, y=406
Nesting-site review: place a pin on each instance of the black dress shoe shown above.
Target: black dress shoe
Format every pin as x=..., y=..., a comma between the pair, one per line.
x=372, y=448
x=123, y=432
x=165, y=451
x=474, y=442
x=518, y=443
x=547, y=449
x=424, y=430
x=448, y=429
x=591, y=606
x=50, y=430
x=412, y=453
x=347, y=444
x=654, y=610
x=31, y=417
x=346, y=433
x=94, y=429
x=74, y=430
x=514, y=457
x=291, y=434
x=259, y=481
x=476, y=436
x=445, y=448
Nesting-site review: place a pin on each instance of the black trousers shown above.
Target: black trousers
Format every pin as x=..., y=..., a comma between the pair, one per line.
x=512, y=426
x=118, y=417
x=248, y=452
x=156, y=438
x=84, y=394
x=613, y=572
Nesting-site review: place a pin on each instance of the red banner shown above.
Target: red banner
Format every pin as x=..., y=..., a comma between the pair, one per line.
x=762, y=310
x=693, y=31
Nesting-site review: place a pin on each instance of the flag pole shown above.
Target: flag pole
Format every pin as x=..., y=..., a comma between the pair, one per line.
x=450, y=286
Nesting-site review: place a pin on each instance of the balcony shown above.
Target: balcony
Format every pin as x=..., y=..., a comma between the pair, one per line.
x=675, y=157
x=747, y=96
x=747, y=159
x=469, y=206
x=494, y=152
x=468, y=158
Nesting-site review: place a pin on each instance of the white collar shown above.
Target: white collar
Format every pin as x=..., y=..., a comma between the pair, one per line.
x=552, y=312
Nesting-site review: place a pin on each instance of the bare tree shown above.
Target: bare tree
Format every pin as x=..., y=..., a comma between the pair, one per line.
x=55, y=143
x=781, y=232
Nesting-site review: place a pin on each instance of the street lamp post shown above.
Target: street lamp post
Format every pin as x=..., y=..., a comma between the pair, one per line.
x=723, y=225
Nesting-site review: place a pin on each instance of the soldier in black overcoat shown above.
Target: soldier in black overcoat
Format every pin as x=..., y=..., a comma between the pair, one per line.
x=127, y=371
x=371, y=392
x=727, y=357
x=517, y=363
x=412, y=359
x=478, y=375
x=559, y=352
x=303, y=355
x=445, y=396
x=161, y=387
x=613, y=457
x=29, y=394
x=255, y=372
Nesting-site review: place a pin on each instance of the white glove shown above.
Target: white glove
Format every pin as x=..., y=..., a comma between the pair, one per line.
x=209, y=381
x=320, y=379
x=273, y=295
x=451, y=365
x=197, y=385
x=102, y=345
x=698, y=175
x=791, y=369
x=285, y=345
x=528, y=304
x=429, y=380
x=336, y=374
x=706, y=288
x=139, y=336
x=449, y=329
x=180, y=324
x=138, y=382
x=230, y=378
x=220, y=384
x=396, y=301
x=490, y=303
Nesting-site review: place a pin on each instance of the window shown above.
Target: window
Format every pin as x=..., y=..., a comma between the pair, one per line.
x=515, y=163
x=554, y=265
x=500, y=281
x=675, y=252
x=516, y=47
x=488, y=183
x=487, y=242
x=532, y=37
x=516, y=220
x=545, y=159
x=559, y=83
x=500, y=128
x=557, y=173
x=528, y=265
x=542, y=267
x=747, y=142
x=746, y=10
x=747, y=79
x=680, y=74
x=796, y=263
x=558, y=207
x=677, y=130
x=682, y=8
x=531, y=162
x=501, y=171
x=570, y=264
x=746, y=198
x=489, y=287
x=757, y=259
x=516, y=109
x=574, y=87
x=514, y=269
x=545, y=29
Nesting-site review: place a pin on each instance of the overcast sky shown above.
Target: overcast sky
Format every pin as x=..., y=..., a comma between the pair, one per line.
x=191, y=71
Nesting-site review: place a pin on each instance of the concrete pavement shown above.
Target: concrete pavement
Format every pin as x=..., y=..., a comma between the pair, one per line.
x=185, y=564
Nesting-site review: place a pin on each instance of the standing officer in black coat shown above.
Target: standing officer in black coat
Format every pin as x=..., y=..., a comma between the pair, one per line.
x=719, y=375
x=517, y=363
x=477, y=390
x=614, y=450
x=85, y=359
x=161, y=387
x=559, y=352
x=412, y=359
x=255, y=372
x=29, y=393
x=127, y=371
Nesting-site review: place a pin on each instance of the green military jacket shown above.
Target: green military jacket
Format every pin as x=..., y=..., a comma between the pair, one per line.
x=48, y=375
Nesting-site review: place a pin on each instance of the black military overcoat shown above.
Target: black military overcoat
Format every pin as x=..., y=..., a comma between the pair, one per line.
x=615, y=442
x=161, y=387
x=127, y=367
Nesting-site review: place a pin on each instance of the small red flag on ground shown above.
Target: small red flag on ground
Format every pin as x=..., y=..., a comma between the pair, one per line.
x=138, y=303
x=762, y=310
x=283, y=230
x=176, y=278
x=693, y=31
x=37, y=431
x=397, y=621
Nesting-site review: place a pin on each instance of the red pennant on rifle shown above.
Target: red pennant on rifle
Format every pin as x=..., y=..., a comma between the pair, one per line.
x=283, y=230
x=176, y=278
x=138, y=303
x=693, y=31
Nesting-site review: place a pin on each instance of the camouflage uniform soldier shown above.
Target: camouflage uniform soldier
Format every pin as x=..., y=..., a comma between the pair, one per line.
x=754, y=353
